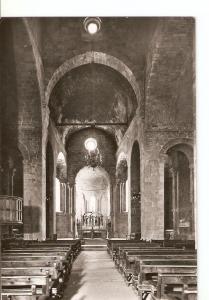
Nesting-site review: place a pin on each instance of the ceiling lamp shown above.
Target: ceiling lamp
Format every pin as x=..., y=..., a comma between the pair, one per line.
x=92, y=25
x=90, y=144
x=93, y=157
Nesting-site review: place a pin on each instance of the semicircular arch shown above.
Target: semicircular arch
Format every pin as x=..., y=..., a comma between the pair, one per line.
x=174, y=142
x=98, y=58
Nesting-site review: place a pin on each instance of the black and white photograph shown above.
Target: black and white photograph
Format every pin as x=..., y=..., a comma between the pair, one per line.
x=98, y=158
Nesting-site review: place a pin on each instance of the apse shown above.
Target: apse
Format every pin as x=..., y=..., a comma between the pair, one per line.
x=92, y=192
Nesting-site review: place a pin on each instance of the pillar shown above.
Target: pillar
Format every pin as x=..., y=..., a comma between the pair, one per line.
x=33, y=215
x=71, y=186
x=152, y=197
x=113, y=204
x=174, y=199
x=63, y=196
x=193, y=225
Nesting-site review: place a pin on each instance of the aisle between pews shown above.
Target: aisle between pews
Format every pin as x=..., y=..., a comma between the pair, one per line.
x=94, y=277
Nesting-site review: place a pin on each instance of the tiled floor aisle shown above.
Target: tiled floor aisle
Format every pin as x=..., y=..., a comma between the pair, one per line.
x=94, y=277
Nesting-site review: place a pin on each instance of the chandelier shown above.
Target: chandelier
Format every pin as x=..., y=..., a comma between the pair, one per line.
x=93, y=157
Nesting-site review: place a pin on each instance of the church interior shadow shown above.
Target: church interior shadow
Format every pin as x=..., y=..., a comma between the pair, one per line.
x=73, y=285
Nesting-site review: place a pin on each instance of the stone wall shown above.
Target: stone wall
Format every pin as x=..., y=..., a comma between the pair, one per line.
x=160, y=54
x=22, y=125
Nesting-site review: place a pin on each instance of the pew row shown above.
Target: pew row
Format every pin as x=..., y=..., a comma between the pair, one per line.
x=24, y=267
x=146, y=282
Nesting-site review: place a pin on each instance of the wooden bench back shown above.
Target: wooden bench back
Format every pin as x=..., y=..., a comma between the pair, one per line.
x=30, y=270
x=29, y=263
x=37, y=257
x=174, y=279
x=167, y=268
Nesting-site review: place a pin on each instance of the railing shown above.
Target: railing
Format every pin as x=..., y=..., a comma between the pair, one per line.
x=92, y=220
x=10, y=209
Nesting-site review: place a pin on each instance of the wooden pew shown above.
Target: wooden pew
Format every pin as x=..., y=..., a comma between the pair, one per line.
x=38, y=258
x=171, y=285
x=130, y=259
x=115, y=246
x=43, y=270
x=129, y=269
x=17, y=287
x=116, y=253
x=75, y=245
x=127, y=257
x=122, y=251
x=63, y=254
x=69, y=252
x=112, y=244
x=146, y=279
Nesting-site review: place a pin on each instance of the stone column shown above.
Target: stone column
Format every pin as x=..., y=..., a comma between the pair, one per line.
x=193, y=225
x=174, y=199
x=33, y=213
x=68, y=207
x=67, y=197
x=113, y=206
x=152, y=197
x=120, y=197
x=63, y=196
x=71, y=186
x=177, y=202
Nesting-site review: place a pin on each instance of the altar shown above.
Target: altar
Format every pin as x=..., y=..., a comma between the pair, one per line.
x=92, y=225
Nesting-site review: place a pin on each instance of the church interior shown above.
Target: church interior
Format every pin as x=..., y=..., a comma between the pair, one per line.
x=97, y=158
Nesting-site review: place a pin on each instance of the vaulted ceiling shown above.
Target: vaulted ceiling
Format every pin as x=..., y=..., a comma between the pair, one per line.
x=158, y=51
x=93, y=93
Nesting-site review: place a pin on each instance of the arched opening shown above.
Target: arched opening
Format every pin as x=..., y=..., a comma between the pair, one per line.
x=60, y=183
x=178, y=193
x=97, y=58
x=92, y=201
x=61, y=196
x=103, y=156
x=135, y=191
x=49, y=191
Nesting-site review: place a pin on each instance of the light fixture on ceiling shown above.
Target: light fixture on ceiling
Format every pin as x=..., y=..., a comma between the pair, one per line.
x=92, y=25
x=93, y=157
x=90, y=144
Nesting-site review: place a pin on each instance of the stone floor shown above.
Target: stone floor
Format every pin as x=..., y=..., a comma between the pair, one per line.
x=94, y=277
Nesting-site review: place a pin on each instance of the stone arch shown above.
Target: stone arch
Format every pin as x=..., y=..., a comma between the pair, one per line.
x=93, y=57
x=38, y=65
x=92, y=197
x=61, y=167
x=76, y=140
x=179, y=211
x=174, y=142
